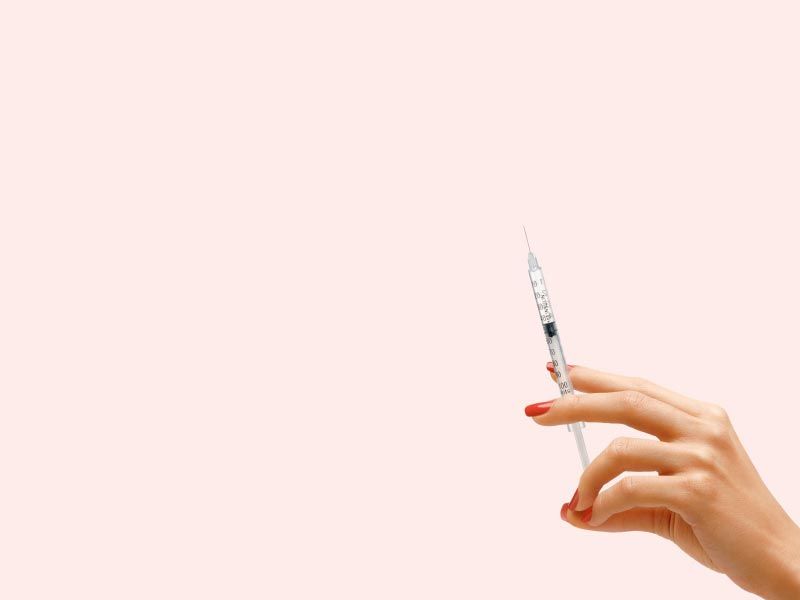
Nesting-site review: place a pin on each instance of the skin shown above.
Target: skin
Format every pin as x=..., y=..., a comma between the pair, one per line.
x=707, y=496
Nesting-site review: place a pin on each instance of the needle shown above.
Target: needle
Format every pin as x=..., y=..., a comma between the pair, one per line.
x=526, y=239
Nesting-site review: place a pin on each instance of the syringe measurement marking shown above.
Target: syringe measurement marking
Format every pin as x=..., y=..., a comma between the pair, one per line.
x=564, y=387
x=542, y=298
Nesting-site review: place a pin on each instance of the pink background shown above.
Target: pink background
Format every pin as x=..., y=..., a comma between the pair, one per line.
x=266, y=328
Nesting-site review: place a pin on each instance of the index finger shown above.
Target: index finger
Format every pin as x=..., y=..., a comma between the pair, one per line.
x=627, y=407
x=586, y=379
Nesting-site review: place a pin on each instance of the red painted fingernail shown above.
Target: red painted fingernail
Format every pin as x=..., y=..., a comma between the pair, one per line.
x=534, y=410
x=574, y=502
x=564, y=512
x=587, y=515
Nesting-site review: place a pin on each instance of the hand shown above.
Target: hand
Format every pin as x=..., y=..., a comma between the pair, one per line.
x=707, y=497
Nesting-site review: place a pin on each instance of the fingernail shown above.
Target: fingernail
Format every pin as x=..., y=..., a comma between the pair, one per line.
x=587, y=515
x=534, y=410
x=552, y=369
x=564, y=513
x=574, y=502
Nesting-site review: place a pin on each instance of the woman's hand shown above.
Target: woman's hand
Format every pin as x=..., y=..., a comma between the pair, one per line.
x=707, y=498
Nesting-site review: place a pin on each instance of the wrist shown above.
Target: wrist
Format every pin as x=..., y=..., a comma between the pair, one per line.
x=783, y=582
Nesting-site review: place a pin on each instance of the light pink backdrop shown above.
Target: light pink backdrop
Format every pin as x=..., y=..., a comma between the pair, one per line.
x=266, y=330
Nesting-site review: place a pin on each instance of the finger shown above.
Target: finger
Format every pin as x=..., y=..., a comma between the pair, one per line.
x=637, y=492
x=585, y=379
x=660, y=521
x=628, y=408
x=628, y=454
x=635, y=519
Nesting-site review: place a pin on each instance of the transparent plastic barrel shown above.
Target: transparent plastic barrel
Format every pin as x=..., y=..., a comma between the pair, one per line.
x=560, y=368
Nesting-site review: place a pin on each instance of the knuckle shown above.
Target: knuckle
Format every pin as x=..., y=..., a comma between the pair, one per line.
x=699, y=485
x=618, y=448
x=718, y=434
x=704, y=457
x=662, y=523
x=633, y=399
x=627, y=485
x=718, y=414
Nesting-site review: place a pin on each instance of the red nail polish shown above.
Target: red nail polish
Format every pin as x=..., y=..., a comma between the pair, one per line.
x=564, y=512
x=534, y=410
x=587, y=515
x=574, y=502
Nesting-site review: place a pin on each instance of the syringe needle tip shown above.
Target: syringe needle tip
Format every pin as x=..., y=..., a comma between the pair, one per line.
x=527, y=241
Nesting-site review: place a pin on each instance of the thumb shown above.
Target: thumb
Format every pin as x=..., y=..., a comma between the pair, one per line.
x=636, y=519
x=661, y=521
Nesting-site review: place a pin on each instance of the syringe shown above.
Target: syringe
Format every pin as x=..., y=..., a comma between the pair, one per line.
x=554, y=344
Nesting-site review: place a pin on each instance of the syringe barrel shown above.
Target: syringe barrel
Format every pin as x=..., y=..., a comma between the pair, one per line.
x=550, y=330
x=559, y=363
x=540, y=291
